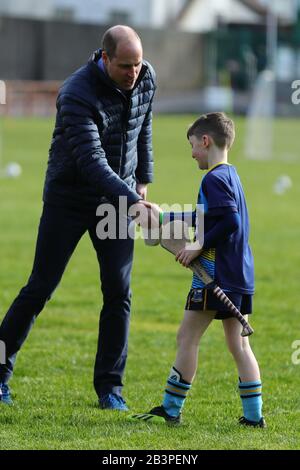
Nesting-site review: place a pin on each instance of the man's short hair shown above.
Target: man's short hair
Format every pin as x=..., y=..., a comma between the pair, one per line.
x=110, y=42
x=219, y=126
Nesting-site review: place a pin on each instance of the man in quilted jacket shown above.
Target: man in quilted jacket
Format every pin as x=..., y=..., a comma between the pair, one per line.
x=101, y=150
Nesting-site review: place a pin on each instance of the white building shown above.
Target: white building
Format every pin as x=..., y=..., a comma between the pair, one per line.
x=27, y=8
x=148, y=13
x=204, y=15
x=187, y=15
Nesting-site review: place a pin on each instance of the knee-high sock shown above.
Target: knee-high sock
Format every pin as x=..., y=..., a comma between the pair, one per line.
x=250, y=393
x=175, y=393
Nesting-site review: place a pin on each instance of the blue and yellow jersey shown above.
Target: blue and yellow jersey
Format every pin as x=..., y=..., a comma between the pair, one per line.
x=230, y=263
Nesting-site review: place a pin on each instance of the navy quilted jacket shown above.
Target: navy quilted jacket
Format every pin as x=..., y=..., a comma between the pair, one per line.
x=102, y=141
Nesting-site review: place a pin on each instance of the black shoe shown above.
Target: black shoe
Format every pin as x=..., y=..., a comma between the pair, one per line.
x=256, y=424
x=160, y=411
x=158, y=415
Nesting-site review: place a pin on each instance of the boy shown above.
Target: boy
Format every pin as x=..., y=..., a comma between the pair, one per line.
x=227, y=257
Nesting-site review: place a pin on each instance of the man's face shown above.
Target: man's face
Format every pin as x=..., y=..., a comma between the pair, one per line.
x=200, y=150
x=125, y=66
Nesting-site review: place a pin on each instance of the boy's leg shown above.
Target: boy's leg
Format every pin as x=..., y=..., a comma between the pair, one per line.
x=192, y=328
x=59, y=233
x=179, y=382
x=241, y=351
x=249, y=375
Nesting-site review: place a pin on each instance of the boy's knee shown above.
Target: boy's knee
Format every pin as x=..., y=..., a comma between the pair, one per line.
x=185, y=338
x=238, y=349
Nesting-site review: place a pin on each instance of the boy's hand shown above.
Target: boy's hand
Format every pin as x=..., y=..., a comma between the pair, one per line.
x=188, y=254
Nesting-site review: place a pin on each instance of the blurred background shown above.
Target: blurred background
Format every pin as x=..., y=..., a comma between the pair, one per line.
x=241, y=56
x=207, y=53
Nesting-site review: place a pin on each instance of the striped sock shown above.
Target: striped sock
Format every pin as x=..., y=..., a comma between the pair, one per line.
x=250, y=393
x=175, y=393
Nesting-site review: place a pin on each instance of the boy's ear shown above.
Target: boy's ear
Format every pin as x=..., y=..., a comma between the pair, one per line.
x=206, y=140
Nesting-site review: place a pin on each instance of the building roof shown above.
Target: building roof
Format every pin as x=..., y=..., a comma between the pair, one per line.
x=255, y=6
x=195, y=13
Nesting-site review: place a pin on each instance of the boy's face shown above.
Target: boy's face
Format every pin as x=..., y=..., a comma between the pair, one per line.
x=200, y=150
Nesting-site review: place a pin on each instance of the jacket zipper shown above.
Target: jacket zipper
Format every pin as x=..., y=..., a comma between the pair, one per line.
x=124, y=134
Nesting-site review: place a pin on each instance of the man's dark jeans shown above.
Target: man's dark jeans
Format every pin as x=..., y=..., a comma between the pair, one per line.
x=59, y=232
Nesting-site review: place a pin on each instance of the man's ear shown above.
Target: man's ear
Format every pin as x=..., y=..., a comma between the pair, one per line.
x=105, y=57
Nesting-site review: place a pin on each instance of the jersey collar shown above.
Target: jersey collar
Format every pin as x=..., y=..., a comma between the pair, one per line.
x=218, y=164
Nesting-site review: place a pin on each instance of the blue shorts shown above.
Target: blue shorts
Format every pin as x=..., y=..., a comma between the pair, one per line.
x=205, y=299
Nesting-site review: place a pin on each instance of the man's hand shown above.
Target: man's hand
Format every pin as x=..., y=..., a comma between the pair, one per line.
x=154, y=210
x=189, y=253
x=145, y=214
x=141, y=189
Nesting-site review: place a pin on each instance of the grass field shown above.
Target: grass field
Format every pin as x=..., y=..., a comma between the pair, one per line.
x=55, y=404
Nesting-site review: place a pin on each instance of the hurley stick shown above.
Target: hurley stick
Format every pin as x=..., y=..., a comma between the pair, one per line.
x=173, y=245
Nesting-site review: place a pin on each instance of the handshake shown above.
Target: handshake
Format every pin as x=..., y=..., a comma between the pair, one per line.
x=158, y=228
x=148, y=216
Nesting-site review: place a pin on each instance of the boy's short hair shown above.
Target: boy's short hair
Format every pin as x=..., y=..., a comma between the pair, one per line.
x=219, y=126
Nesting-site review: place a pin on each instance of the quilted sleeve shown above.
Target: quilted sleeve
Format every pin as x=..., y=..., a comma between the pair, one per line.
x=84, y=140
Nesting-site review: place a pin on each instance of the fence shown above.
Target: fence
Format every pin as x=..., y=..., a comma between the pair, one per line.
x=30, y=98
